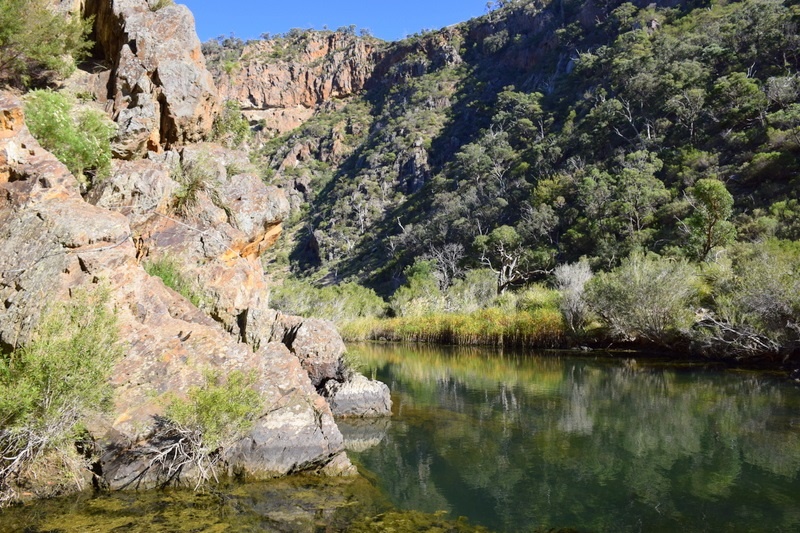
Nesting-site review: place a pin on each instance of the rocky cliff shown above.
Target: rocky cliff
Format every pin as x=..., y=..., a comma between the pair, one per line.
x=172, y=197
x=150, y=74
x=281, y=82
x=53, y=242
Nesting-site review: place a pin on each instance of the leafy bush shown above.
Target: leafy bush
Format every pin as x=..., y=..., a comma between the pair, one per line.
x=222, y=412
x=645, y=297
x=571, y=282
x=420, y=294
x=476, y=290
x=197, y=429
x=537, y=296
x=35, y=41
x=79, y=138
x=168, y=269
x=50, y=385
x=755, y=303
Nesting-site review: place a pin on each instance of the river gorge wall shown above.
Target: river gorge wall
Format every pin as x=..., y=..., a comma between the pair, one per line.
x=57, y=239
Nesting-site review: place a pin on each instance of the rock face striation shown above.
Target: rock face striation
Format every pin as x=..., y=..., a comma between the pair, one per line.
x=281, y=82
x=52, y=242
x=152, y=76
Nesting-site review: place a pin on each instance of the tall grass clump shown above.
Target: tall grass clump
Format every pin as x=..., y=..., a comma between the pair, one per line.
x=48, y=387
x=540, y=328
x=194, y=177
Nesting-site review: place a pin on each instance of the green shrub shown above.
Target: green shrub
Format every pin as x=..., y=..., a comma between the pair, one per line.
x=196, y=430
x=222, y=411
x=231, y=128
x=156, y=5
x=420, y=294
x=338, y=303
x=755, y=301
x=645, y=297
x=79, y=138
x=168, y=269
x=48, y=387
x=36, y=42
x=537, y=296
x=476, y=290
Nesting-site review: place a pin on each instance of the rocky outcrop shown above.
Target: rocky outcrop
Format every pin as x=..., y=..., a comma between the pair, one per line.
x=280, y=82
x=315, y=342
x=53, y=242
x=320, y=350
x=217, y=243
x=155, y=85
x=413, y=58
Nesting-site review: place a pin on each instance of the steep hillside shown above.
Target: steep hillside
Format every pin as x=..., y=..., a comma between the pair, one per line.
x=580, y=126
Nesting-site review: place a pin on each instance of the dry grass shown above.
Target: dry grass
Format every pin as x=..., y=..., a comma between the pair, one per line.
x=539, y=328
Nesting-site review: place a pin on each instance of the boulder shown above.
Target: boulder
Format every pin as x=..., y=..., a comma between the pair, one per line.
x=358, y=396
x=315, y=342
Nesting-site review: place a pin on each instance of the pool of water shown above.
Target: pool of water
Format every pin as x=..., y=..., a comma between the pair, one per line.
x=520, y=442
x=512, y=442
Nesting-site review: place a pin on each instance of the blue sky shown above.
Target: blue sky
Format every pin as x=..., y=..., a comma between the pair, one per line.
x=389, y=20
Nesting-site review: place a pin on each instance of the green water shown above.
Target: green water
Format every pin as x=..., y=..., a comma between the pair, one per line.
x=512, y=442
x=290, y=505
x=521, y=443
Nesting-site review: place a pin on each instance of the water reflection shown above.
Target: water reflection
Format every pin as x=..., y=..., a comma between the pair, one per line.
x=295, y=504
x=522, y=442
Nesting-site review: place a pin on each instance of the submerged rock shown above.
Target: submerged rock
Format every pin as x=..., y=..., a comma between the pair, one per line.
x=361, y=434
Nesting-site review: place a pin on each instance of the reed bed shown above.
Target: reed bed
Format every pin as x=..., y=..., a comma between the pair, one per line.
x=538, y=328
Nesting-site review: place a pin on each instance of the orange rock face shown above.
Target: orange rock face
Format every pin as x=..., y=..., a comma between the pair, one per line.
x=284, y=92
